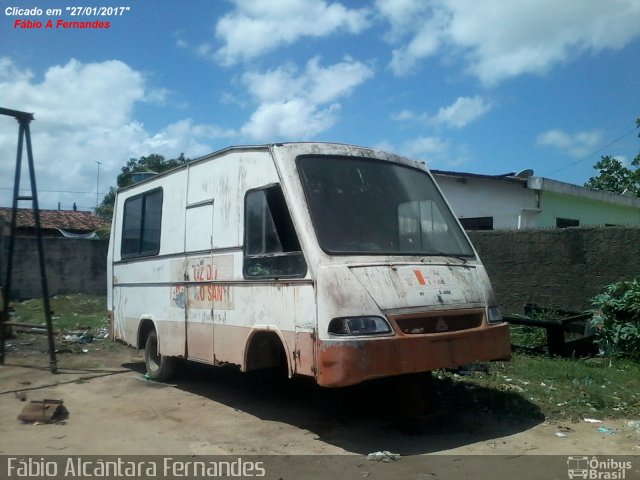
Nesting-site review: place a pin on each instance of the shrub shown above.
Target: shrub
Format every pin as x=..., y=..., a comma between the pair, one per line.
x=617, y=320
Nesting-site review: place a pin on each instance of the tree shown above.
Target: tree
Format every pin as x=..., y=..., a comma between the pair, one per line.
x=152, y=163
x=615, y=177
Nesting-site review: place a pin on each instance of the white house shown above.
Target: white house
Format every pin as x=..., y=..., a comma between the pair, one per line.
x=488, y=202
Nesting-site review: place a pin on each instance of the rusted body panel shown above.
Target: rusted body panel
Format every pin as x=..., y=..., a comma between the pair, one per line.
x=347, y=362
x=199, y=341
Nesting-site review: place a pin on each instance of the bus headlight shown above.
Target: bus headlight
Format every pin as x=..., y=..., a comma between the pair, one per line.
x=359, y=326
x=494, y=315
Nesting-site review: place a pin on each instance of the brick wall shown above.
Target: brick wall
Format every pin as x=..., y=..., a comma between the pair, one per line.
x=559, y=267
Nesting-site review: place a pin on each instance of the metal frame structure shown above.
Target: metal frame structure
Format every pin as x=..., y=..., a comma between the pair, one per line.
x=24, y=135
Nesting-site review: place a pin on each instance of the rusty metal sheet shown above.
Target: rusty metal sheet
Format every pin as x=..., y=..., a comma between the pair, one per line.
x=43, y=411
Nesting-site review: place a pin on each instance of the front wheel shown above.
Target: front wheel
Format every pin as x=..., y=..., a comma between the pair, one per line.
x=159, y=367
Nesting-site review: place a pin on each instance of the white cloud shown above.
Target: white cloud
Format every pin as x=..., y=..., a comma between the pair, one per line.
x=255, y=27
x=299, y=105
x=80, y=121
x=436, y=152
x=185, y=136
x=576, y=145
x=409, y=116
x=457, y=115
x=77, y=95
x=426, y=148
x=463, y=111
x=401, y=14
x=500, y=40
x=295, y=119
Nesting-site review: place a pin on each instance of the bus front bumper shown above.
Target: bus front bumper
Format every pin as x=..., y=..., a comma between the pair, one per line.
x=344, y=362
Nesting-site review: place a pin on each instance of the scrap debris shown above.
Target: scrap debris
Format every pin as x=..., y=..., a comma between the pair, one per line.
x=383, y=456
x=43, y=411
x=592, y=420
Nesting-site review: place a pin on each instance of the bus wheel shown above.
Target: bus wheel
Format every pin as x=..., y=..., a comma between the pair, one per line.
x=159, y=367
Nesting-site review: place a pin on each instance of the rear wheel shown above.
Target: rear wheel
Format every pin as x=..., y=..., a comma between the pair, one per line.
x=159, y=367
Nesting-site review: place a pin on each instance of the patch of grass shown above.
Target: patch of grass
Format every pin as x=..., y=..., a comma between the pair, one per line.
x=534, y=338
x=70, y=312
x=562, y=388
x=528, y=337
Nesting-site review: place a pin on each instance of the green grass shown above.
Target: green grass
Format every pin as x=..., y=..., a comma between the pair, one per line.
x=528, y=337
x=70, y=312
x=562, y=388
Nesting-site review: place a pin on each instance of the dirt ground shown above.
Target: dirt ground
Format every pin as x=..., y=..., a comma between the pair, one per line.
x=113, y=409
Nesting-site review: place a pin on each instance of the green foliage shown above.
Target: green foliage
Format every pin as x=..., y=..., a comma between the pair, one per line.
x=105, y=209
x=615, y=177
x=152, y=163
x=618, y=319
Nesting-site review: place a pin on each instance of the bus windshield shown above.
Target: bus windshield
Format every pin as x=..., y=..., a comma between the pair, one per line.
x=374, y=207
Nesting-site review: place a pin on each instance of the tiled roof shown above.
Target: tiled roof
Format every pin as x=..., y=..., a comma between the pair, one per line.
x=65, y=219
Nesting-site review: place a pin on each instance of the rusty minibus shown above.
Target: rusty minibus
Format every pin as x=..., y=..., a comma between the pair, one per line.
x=336, y=262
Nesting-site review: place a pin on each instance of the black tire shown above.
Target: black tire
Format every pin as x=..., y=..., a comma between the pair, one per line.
x=159, y=367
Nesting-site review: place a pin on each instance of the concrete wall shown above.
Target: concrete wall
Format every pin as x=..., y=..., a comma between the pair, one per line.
x=502, y=199
x=72, y=266
x=587, y=211
x=559, y=267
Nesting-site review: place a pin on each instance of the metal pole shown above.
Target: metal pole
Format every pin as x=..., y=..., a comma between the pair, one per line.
x=43, y=277
x=97, y=182
x=12, y=241
x=23, y=119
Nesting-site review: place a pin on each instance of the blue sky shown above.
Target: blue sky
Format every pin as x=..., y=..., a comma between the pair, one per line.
x=482, y=86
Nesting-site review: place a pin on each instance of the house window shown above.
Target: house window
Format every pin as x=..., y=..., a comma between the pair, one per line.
x=271, y=246
x=141, y=225
x=477, y=223
x=566, y=222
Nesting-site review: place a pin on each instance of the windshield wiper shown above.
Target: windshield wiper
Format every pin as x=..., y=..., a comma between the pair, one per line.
x=450, y=255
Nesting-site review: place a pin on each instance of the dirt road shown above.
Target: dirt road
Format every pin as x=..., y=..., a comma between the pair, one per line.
x=113, y=409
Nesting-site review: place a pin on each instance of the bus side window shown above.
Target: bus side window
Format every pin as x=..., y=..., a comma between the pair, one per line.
x=271, y=246
x=142, y=221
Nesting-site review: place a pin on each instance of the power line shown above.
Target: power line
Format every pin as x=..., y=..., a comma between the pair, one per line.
x=612, y=142
x=55, y=191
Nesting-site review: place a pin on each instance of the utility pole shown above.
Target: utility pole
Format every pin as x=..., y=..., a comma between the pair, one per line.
x=97, y=182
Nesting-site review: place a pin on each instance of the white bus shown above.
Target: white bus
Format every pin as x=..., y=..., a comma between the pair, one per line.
x=335, y=262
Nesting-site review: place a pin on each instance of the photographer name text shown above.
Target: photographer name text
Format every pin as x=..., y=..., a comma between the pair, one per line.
x=81, y=17
x=168, y=467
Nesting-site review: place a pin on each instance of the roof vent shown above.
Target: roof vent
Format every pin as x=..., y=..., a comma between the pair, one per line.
x=137, y=177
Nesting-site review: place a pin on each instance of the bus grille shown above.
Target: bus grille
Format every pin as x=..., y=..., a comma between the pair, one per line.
x=438, y=323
